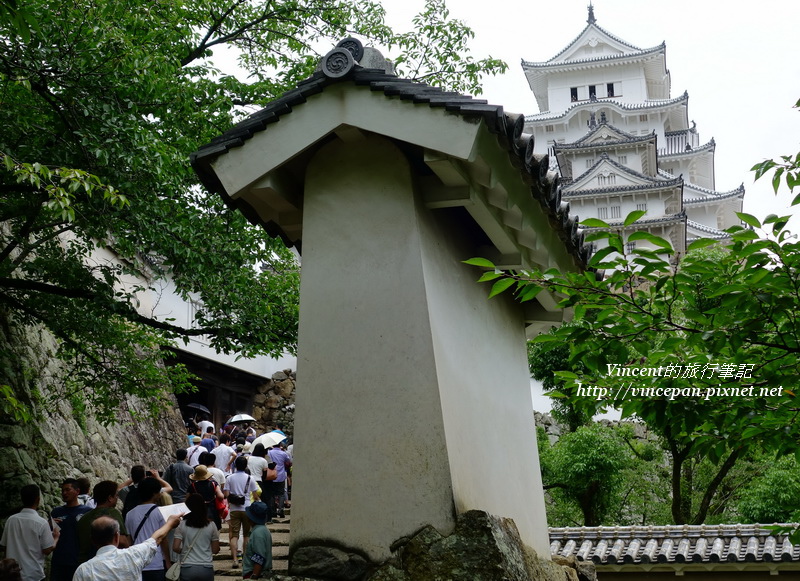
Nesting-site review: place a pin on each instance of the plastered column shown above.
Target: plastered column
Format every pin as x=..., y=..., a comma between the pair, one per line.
x=372, y=461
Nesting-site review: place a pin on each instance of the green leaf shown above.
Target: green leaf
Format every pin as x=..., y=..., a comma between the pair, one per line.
x=749, y=219
x=701, y=243
x=594, y=223
x=633, y=216
x=487, y=276
x=653, y=239
x=482, y=262
x=500, y=286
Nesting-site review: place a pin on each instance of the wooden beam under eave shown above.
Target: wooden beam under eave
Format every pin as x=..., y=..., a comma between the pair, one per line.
x=441, y=196
x=278, y=189
x=448, y=170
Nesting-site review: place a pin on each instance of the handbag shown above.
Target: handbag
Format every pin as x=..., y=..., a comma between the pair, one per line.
x=174, y=571
x=240, y=499
x=222, y=507
x=272, y=474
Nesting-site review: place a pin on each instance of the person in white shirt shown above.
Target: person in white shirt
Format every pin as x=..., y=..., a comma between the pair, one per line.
x=114, y=564
x=225, y=454
x=209, y=460
x=204, y=425
x=27, y=538
x=193, y=452
x=241, y=487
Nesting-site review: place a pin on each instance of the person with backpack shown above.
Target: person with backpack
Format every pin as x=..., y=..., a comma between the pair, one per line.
x=203, y=484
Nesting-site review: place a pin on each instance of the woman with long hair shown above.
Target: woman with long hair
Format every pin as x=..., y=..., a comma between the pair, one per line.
x=196, y=541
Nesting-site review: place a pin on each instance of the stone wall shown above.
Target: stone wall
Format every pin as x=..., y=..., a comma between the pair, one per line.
x=61, y=442
x=555, y=430
x=274, y=402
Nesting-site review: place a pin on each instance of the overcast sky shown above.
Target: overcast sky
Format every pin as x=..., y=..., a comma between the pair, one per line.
x=740, y=66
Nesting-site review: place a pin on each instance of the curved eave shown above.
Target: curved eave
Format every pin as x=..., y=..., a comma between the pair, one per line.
x=622, y=108
x=662, y=221
x=581, y=145
x=617, y=191
x=711, y=197
x=578, y=64
x=703, y=232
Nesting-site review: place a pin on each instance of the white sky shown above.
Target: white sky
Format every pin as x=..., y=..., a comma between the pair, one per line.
x=739, y=64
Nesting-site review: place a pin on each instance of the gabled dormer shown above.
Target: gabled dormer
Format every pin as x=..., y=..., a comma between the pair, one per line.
x=598, y=65
x=637, y=152
x=607, y=175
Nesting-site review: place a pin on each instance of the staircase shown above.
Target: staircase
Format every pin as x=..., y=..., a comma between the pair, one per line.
x=223, y=565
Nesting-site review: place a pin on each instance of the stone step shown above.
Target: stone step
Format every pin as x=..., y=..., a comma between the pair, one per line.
x=280, y=530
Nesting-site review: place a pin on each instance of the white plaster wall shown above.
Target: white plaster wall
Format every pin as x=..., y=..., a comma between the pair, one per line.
x=629, y=83
x=373, y=461
x=482, y=365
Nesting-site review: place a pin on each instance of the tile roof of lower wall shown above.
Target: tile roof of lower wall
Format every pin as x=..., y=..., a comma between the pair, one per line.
x=673, y=544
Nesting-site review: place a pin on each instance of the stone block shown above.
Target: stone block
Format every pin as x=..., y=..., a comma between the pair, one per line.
x=329, y=562
x=481, y=548
x=284, y=388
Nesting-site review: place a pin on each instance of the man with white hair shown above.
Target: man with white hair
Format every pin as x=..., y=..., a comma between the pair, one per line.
x=116, y=564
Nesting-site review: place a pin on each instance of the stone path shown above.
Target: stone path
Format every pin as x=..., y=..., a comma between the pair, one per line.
x=223, y=565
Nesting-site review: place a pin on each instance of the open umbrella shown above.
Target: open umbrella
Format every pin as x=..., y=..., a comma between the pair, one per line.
x=241, y=418
x=199, y=407
x=270, y=439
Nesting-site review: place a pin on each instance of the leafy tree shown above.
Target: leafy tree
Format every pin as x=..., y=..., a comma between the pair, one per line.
x=543, y=362
x=584, y=468
x=720, y=330
x=772, y=496
x=102, y=103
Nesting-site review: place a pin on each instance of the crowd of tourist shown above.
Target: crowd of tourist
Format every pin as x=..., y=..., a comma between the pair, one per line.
x=159, y=526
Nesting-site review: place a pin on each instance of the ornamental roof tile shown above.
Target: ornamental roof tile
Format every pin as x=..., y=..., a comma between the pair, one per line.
x=673, y=544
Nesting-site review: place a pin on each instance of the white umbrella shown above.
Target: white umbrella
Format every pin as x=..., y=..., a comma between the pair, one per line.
x=270, y=439
x=241, y=418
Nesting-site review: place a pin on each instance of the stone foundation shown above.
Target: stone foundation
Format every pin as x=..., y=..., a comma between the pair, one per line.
x=481, y=548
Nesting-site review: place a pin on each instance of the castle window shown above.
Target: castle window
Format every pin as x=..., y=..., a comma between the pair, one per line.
x=643, y=118
x=549, y=129
x=589, y=162
x=592, y=92
x=610, y=89
x=623, y=159
x=642, y=207
x=602, y=213
x=629, y=246
x=573, y=93
x=615, y=211
x=607, y=180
